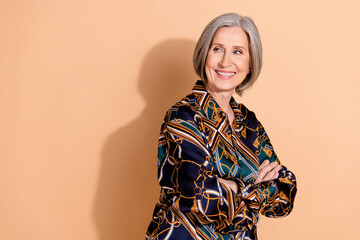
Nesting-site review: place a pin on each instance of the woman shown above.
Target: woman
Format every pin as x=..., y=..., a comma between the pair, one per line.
x=216, y=166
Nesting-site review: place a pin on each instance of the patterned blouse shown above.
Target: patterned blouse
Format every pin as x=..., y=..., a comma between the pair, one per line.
x=197, y=146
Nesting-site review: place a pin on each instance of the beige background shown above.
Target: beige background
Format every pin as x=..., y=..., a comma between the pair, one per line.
x=84, y=86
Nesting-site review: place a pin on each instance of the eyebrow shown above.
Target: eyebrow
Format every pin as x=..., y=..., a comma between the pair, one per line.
x=219, y=44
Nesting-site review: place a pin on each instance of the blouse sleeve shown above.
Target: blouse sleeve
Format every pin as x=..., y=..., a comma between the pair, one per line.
x=186, y=174
x=279, y=194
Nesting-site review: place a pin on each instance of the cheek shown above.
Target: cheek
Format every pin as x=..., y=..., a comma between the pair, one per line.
x=208, y=68
x=211, y=61
x=243, y=65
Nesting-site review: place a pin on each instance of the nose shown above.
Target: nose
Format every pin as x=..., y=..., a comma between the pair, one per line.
x=225, y=61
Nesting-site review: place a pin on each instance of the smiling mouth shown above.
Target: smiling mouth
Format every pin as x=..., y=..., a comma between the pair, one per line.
x=225, y=74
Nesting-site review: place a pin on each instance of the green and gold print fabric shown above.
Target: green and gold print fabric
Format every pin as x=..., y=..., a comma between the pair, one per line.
x=197, y=146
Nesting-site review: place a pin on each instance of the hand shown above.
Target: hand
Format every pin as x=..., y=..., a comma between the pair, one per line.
x=231, y=184
x=268, y=171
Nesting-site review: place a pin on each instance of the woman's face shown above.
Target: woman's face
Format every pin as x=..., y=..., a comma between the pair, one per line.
x=228, y=59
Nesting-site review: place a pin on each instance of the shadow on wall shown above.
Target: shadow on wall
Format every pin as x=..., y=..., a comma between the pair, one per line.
x=127, y=189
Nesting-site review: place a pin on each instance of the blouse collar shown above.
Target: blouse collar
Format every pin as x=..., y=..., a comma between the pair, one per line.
x=210, y=107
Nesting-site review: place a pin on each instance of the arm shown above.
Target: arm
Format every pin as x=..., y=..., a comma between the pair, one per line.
x=280, y=191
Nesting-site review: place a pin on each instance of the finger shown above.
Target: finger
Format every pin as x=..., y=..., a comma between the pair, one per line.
x=273, y=174
x=267, y=170
x=277, y=172
x=263, y=164
x=262, y=174
x=269, y=176
x=269, y=167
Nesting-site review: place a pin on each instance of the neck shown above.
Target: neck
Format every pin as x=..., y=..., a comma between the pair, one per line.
x=222, y=98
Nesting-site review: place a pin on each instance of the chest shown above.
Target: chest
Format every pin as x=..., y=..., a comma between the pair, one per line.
x=233, y=149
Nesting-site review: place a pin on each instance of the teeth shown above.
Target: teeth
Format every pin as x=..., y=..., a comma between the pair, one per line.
x=225, y=74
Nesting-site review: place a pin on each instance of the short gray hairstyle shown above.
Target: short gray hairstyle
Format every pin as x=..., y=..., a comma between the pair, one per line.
x=204, y=43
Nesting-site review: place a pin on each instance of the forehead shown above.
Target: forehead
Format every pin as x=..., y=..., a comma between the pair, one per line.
x=230, y=35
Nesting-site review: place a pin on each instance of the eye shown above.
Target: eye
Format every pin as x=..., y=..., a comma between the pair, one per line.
x=238, y=52
x=217, y=49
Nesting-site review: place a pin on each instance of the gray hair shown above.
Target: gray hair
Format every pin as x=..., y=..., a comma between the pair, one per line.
x=204, y=43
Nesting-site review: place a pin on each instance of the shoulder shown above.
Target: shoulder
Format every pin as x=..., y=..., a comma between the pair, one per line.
x=182, y=121
x=249, y=117
x=185, y=110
